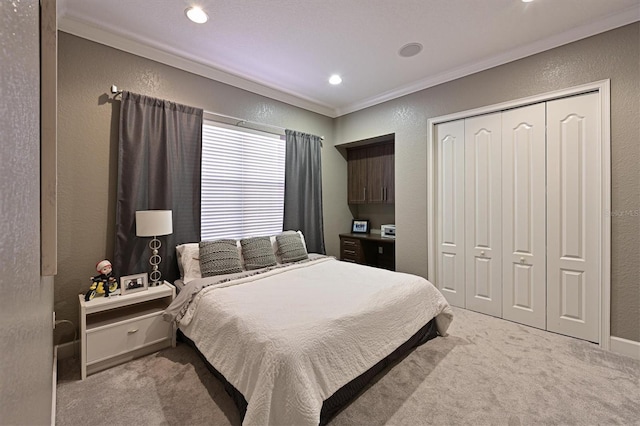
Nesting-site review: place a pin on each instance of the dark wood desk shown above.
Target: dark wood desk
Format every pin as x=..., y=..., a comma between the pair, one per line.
x=368, y=249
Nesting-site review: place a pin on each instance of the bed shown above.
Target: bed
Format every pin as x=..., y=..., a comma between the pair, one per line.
x=294, y=341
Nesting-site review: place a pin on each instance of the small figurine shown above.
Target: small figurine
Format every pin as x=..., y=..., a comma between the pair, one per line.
x=104, y=283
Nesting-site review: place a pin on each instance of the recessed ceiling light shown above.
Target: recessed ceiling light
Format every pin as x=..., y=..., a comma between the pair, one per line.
x=527, y=1
x=196, y=14
x=410, y=49
x=335, y=79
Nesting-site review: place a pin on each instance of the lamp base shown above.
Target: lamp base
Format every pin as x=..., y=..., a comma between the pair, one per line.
x=154, y=261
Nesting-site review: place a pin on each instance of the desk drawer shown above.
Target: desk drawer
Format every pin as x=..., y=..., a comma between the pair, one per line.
x=349, y=255
x=350, y=245
x=349, y=242
x=122, y=337
x=351, y=250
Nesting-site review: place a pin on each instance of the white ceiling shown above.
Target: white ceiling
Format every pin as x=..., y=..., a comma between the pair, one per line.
x=287, y=49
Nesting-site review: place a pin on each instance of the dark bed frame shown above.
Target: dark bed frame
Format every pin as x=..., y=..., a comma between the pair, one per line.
x=343, y=396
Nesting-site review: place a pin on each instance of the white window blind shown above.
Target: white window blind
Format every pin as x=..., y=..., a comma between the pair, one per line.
x=242, y=183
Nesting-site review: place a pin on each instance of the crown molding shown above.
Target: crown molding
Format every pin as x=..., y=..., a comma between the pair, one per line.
x=150, y=50
x=625, y=17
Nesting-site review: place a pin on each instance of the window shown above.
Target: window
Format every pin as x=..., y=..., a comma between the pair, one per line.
x=242, y=183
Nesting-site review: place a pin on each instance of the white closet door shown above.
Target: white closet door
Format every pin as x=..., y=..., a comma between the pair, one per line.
x=483, y=223
x=450, y=211
x=524, y=216
x=573, y=216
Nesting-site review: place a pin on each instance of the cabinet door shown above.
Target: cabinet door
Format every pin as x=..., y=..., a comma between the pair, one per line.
x=483, y=214
x=357, y=176
x=388, y=173
x=386, y=256
x=371, y=174
x=375, y=173
x=380, y=174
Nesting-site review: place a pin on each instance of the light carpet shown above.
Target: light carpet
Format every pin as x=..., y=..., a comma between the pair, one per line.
x=486, y=372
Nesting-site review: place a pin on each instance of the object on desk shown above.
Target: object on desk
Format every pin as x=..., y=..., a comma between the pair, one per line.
x=103, y=283
x=133, y=283
x=388, y=231
x=360, y=226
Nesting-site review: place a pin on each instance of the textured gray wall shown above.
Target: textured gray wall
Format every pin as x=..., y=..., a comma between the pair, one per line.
x=88, y=141
x=26, y=348
x=614, y=55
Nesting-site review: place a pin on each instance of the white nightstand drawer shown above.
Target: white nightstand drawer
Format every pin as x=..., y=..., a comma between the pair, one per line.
x=118, y=329
x=121, y=337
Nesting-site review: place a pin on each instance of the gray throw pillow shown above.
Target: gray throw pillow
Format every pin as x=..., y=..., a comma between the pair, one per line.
x=257, y=253
x=219, y=257
x=290, y=247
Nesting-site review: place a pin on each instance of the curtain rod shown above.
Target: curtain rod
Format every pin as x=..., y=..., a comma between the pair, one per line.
x=239, y=121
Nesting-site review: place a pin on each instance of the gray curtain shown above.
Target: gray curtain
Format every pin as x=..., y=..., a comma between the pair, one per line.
x=159, y=162
x=303, y=188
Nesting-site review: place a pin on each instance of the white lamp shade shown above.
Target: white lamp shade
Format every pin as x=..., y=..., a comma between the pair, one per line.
x=151, y=223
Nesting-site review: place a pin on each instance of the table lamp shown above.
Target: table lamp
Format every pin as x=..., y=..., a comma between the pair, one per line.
x=154, y=223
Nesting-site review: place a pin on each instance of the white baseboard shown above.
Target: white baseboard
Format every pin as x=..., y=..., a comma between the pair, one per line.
x=69, y=349
x=625, y=347
x=54, y=384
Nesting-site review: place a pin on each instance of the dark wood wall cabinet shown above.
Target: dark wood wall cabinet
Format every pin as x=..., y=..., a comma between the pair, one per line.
x=371, y=174
x=368, y=249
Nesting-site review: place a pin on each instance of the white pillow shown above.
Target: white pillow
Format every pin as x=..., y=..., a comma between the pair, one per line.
x=303, y=241
x=179, y=251
x=274, y=247
x=191, y=263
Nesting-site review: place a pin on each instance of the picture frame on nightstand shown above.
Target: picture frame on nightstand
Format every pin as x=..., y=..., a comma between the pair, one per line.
x=134, y=283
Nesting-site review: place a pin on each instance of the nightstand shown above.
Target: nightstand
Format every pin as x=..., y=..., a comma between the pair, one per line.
x=118, y=329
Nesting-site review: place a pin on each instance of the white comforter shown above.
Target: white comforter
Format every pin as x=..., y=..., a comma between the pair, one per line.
x=289, y=338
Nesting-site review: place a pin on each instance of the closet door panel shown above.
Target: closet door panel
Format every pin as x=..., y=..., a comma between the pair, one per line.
x=483, y=222
x=524, y=215
x=573, y=216
x=450, y=212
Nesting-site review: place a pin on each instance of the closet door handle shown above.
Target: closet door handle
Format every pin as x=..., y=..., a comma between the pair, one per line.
x=364, y=192
x=382, y=193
